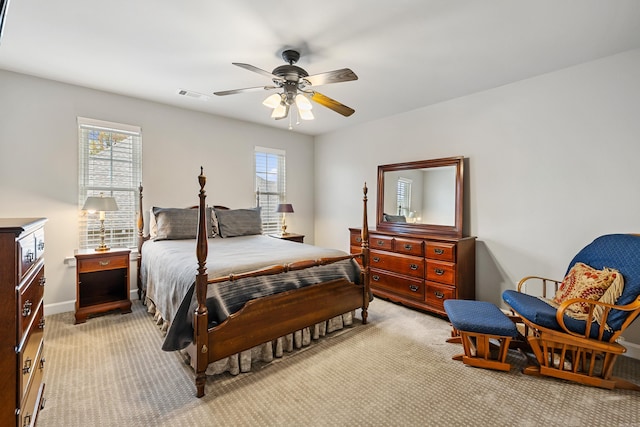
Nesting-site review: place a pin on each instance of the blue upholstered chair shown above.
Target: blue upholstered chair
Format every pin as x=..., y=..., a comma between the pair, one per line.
x=582, y=350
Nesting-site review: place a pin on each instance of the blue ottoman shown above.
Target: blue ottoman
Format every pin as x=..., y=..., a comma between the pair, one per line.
x=478, y=322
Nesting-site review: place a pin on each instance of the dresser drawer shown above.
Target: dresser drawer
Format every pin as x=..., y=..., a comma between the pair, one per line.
x=409, y=246
x=355, y=239
x=29, y=360
x=442, y=272
x=26, y=254
x=436, y=294
x=441, y=251
x=377, y=241
x=87, y=265
x=406, y=286
x=33, y=399
x=29, y=299
x=39, y=243
x=401, y=264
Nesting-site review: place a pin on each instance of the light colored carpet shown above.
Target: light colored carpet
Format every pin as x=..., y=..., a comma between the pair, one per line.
x=395, y=371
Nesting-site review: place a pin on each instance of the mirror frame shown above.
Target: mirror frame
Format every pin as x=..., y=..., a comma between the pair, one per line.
x=455, y=230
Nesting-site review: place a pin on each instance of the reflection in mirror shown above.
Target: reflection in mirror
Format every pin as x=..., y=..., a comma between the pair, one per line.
x=421, y=196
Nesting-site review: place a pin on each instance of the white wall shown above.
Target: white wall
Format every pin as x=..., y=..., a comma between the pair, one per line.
x=39, y=162
x=552, y=164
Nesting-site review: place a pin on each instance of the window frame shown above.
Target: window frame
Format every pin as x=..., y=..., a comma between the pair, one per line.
x=122, y=167
x=269, y=199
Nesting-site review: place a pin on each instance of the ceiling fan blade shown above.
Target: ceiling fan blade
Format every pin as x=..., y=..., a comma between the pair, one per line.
x=336, y=76
x=257, y=70
x=332, y=104
x=247, y=89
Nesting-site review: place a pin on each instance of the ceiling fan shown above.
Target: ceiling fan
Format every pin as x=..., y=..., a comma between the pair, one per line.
x=296, y=85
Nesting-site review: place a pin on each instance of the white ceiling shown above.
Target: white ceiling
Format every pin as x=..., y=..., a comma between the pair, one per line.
x=406, y=53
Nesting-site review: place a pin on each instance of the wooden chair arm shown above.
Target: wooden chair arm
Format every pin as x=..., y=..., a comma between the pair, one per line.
x=606, y=309
x=541, y=280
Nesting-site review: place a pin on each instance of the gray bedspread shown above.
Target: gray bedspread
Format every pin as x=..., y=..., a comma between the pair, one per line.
x=169, y=267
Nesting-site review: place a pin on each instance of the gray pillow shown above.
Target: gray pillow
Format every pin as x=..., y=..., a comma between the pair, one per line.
x=394, y=218
x=239, y=222
x=178, y=224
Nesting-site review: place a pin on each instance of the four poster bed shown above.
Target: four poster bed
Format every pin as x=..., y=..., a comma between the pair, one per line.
x=261, y=289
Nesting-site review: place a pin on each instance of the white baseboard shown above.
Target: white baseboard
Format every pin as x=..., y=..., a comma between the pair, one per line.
x=633, y=350
x=65, y=306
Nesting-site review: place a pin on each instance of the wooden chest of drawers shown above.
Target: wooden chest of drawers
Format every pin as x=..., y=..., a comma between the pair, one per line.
x=420, y=270
x=21, y=320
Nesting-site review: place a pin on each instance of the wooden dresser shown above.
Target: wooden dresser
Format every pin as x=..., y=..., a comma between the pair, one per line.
x=420, y=270
x=21, y=320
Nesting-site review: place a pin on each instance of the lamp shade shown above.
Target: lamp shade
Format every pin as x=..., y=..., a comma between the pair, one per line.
x=100, y=204
x=285, y=208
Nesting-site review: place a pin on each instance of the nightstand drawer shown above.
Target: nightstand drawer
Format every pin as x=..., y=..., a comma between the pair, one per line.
x=103, y=263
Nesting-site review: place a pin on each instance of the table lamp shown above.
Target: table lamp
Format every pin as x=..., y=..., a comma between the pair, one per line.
x=100, y=204
x=284, y=208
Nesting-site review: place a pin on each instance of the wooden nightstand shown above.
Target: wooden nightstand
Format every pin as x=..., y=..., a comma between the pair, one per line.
x=102, y=282
x=289, y=236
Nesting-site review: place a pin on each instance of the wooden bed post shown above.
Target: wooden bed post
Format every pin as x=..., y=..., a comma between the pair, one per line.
x=140, y=221
x=200, y=320
x=364, y=234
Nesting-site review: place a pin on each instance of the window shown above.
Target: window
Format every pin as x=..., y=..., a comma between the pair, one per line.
x=270, y=186
x=404, y=196
x=110, y=157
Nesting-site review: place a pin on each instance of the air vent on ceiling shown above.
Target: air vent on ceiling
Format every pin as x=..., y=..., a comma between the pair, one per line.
x=192, y=94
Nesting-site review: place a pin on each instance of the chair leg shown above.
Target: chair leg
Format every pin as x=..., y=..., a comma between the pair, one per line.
x=477, y=351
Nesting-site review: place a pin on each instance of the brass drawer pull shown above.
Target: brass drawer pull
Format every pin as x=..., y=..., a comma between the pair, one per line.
x=438, y=251
x=413, y=266
x=26, y=421
x=40, y=245
x=41, y=324
x=439, y=294
x=42, y=360
x=29, y=256
x=414, y=288
x=359, y=239
x=26, y=308
x=42, y=281
x=375, y=278
x=27, y=366
x=439, y=271
x=376, y=259
x=408, y=247
x=105, y=263
x=380, y=242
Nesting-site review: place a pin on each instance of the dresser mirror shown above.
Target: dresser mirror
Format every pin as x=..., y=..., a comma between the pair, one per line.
x=423, y=196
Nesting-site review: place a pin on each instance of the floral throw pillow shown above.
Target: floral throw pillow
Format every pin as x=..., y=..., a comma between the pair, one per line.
x=584, y=282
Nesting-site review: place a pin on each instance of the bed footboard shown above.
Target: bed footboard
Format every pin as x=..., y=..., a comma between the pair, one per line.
x=261, y=320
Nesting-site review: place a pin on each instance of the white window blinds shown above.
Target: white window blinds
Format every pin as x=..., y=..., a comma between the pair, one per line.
x=404, y=196
x=110, y=162
x=270, y=186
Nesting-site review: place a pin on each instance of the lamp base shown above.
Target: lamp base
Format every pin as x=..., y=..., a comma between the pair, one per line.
x=102, y=248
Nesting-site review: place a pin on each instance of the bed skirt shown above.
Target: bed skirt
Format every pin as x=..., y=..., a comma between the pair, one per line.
x=242, y=362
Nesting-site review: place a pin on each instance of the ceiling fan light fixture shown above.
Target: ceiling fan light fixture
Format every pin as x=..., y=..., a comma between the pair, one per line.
x=272, y=101
x=305, y=114
x=303, y=103
x=280, y=111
